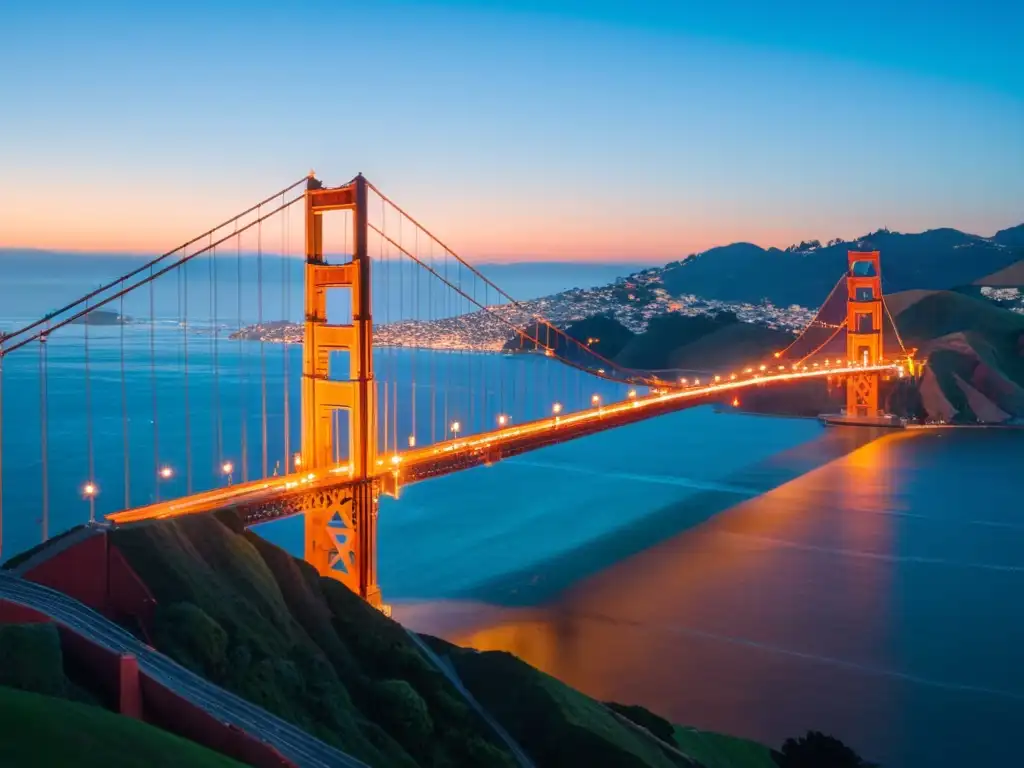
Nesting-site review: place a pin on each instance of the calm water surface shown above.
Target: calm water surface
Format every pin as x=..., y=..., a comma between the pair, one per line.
x=702, y=566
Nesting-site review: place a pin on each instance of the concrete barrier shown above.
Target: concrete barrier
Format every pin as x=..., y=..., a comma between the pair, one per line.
x=164, y=708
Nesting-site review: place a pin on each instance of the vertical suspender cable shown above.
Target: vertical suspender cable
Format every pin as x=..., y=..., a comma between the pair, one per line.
x=42, y=425
x=387, y=398
x=448, y=356
x=416, y=316
x=1, y=444
x=242, y=357
x=432, y=314
x=152, y=380
x=124, y=409
x=188, y=415
x=394, y=349
x=88, y=412
x=215, y=344
x=285, y=215
x=401, y=317
x=263, y=354
x=470, y=390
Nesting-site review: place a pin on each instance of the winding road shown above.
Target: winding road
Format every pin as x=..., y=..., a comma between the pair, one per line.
x=293, y=743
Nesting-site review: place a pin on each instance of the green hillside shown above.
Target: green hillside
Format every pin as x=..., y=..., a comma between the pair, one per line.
x=601, y=333
x=559, y=726
x=38, y=730
x=667, y=342
x=944, y=312
x=729, y=347
x=251, y=618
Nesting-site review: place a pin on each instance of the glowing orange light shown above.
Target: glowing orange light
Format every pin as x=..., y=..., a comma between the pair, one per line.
x=556, y=408
x=735, y=402
x=502, y=420
x=297, y=459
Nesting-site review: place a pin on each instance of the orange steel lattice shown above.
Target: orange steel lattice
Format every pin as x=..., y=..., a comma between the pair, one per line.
x=863, y=330
x=340, y=526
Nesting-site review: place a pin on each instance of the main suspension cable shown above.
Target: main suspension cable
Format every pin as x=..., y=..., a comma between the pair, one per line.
x=147, y=266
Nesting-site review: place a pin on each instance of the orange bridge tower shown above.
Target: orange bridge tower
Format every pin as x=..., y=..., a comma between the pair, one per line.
x=863, y=331
x=340, y=522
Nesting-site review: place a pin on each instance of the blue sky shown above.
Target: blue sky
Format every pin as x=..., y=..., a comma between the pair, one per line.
x=562, y=130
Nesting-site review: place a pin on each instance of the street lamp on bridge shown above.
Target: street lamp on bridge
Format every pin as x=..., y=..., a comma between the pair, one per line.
x=89, y=490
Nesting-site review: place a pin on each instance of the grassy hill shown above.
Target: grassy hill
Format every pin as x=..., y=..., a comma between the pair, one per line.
x=559, y=726
x=702, y=342
x=601, y=333
x=729, y=347
x=974, y=352
x=249, y=617
x=38, y=730
x=1012, y=275
x=47, y=719
x=943, y=312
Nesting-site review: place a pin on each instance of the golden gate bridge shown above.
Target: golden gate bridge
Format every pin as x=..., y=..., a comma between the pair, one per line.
x=359, y=433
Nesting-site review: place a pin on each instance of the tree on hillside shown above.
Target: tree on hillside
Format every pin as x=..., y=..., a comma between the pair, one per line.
x=816, y=750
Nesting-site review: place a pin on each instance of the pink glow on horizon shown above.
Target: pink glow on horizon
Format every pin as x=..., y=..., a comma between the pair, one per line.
x=117, y=218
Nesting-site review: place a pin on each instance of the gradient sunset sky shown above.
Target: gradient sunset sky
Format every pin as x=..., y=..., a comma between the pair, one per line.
x=550, y=129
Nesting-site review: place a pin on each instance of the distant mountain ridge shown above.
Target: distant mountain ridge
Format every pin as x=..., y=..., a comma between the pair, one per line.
x=938, y=259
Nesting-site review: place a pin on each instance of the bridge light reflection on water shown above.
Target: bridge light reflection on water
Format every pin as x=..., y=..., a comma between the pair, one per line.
x=793, y=588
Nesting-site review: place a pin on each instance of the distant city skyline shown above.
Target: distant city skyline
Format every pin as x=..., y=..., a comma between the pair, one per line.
x=559, y=131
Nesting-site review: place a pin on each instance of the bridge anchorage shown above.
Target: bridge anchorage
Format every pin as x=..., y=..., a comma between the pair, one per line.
x=201, y=435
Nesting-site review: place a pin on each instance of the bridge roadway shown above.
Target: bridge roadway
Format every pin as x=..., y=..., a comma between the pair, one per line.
x=292, y=742
x=267, y=499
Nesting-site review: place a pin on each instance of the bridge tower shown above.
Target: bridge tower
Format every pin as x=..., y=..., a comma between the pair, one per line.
x=341, y=523
x=863, y=330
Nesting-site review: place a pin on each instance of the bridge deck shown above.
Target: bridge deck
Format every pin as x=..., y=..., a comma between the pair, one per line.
x=253, y=498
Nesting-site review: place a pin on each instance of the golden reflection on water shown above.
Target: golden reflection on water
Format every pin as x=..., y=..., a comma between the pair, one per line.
x=764, y=620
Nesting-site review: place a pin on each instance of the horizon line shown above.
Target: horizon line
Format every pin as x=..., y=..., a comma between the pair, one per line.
x=505, y=260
